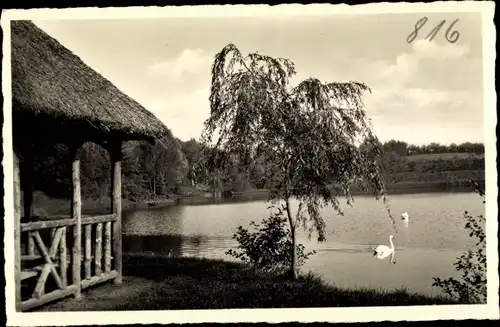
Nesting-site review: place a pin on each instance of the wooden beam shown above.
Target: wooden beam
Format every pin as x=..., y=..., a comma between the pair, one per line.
x=30, y=257
x=99, y=279
x=40, y=284
x=52, y=232
x=63, y=259
x=55, y=242
x=28, y=274
x=36, y=225
x=76, y=213
x=17, y=231
x=31, y=244
x=98, y=219
x=107, y=247
x=58, y=294
x=116, y=200
x=98, y=249
x=46, y=256
x=27, y=186
x=88, y=251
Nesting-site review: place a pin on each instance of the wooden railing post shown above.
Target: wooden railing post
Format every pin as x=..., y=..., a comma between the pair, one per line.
x=27, y=186
x=17, y=231
x=116, y=205
x=107, y=247
x=98, y=249
x=76, y=213
x=49, y=253
x=63, y=259
x=88, y=251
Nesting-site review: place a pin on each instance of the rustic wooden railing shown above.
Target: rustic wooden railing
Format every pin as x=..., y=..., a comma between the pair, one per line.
x=41, y=261
x=93, y=261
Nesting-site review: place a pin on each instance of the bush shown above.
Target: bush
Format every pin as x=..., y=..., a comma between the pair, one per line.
x=472, y=265
x=268, y=247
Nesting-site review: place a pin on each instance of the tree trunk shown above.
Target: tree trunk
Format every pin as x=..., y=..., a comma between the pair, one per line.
x=293, y=265
x=293, y=268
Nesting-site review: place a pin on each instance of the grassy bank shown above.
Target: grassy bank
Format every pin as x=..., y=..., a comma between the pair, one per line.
x=188, y=283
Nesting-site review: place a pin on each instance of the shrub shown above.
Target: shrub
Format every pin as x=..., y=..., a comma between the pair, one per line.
x=472, y=265
x=269, y=246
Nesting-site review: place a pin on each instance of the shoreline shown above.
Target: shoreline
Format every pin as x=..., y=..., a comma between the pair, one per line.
x=392, y=189
x=159, y=283
x=47, y=206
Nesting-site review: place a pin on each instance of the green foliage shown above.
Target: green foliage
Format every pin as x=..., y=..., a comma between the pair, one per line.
x=149, y=170
x=95, y=171
x=434, y=147
x=472, y=265
x=160, y=169
x=269, y=247
x=305, y=135
x=52, y=170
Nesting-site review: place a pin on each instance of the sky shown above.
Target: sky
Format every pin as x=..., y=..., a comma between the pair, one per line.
x=422, y=92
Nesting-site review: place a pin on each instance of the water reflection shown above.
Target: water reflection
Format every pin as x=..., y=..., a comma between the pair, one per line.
x=194, y=201
x=156, y=244
x=153, y=221
x=426, y=248
x=177, y=245
x=174, y=245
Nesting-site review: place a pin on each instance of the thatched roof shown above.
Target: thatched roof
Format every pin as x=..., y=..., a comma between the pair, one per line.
x=54, y=85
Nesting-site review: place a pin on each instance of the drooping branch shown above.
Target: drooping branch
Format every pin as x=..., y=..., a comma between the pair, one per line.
x=308, y=136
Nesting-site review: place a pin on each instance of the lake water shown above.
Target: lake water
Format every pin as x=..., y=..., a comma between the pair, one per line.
x=428, y=248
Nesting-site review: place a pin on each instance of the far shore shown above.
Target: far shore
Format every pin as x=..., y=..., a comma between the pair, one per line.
x=47, y=206
x=393, y=189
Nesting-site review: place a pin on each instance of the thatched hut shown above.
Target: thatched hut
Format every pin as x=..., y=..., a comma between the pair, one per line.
x=57, y=98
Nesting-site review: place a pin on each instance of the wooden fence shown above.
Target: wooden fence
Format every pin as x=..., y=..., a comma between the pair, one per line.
x=47, y=254
x=42, y=271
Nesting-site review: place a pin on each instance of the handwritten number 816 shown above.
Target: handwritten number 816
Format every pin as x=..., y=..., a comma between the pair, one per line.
x=450, y=36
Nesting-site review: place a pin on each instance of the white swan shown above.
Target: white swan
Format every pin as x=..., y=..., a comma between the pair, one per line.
x=391, y=261
x=406, y=219
x=383, y=251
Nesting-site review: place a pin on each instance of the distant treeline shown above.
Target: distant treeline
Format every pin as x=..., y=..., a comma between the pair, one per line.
x=164, y=169
x=398, y=156
x=404, y=149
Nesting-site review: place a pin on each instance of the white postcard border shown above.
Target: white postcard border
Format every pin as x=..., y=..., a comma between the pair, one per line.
x=408, y=313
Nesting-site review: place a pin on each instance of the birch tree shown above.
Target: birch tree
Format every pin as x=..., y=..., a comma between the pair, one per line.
x=308, y=135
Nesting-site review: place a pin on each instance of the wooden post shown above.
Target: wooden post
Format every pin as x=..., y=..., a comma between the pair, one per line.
x=116, y=205
x=107, y=247
x=52, y=234
x=76, y=213
x=27, y=185
x=88, y=252
x=98, y=249
x=17, y=231
x=63, y=259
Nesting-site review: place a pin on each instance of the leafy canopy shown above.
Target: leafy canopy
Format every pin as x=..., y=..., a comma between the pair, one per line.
x=307, y=135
